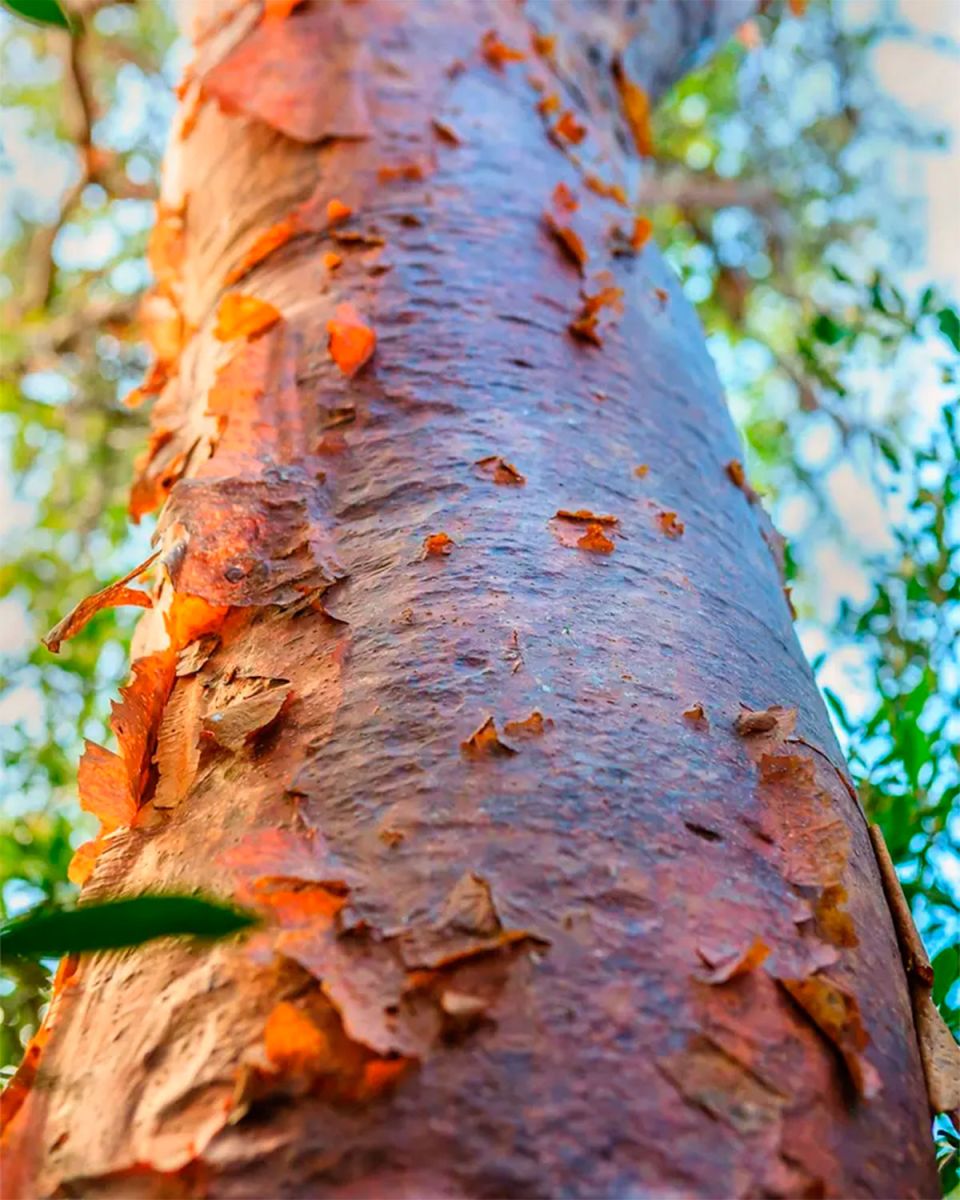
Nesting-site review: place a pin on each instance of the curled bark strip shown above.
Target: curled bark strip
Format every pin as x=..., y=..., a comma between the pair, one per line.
x=115, y=595
x=939, y=1053
x=915, y=957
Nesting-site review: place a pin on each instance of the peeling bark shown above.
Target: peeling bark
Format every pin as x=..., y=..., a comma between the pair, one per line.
x=639, y=945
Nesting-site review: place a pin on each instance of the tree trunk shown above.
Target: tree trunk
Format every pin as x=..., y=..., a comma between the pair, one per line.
x=555, y=901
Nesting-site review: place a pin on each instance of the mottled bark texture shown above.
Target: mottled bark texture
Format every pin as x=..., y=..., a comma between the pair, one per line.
x=556, y=902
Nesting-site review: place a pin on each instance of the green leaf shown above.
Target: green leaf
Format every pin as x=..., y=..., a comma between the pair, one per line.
x=41, y=12
x=835, y=703
x=949, y=324
x=946, y=971
x=826, y=329
x=115, y=923
x=889, y=452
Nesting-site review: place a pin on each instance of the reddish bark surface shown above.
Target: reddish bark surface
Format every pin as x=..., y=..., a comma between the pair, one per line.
x=462, y=667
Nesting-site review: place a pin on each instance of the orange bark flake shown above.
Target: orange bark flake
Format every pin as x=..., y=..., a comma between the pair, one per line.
x=610, y=191
x=278, y=10
x=569, y=129
x=165, y=248
x=564, y=200
x=738, y=477
x=596, y=541
x=641, y=471
x=309, y=904
x=501, y=471
x=568, y=240
x=190, y=617
x=409, y=172
x=566, y=525
x=331, y=260
x=585, y=325
x=751, y=722
x=724, y=967
x=533, y=726
x=563, y=203
x=670, y=523
x=136, y=715
x=381, y=1074
x=545, y=44
x=116, y=595
x=352, y=341
x=19, y=1088
x=84, y=860
x=241, y=316
x=834, y=923
x=103, y=787
x=263, y=245
x=485, y=743
x=154, y=382
x=338, y=212
x=548, y=104
x=293, y=1042
x=110, y=785
x=635, y=104
x=332, y=443
x=497, y=52
x=695, y=713
x=642, y=232
x=164, y=328
x=446, y=133
x=585, y=516
x=836, y=1014
x=192, y=101
x=437, y=545
x=734, y=469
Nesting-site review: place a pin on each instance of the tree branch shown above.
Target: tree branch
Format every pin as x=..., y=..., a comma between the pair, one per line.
x=79, y=116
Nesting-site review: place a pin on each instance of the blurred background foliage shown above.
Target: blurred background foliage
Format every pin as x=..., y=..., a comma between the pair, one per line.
x=774, y=195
